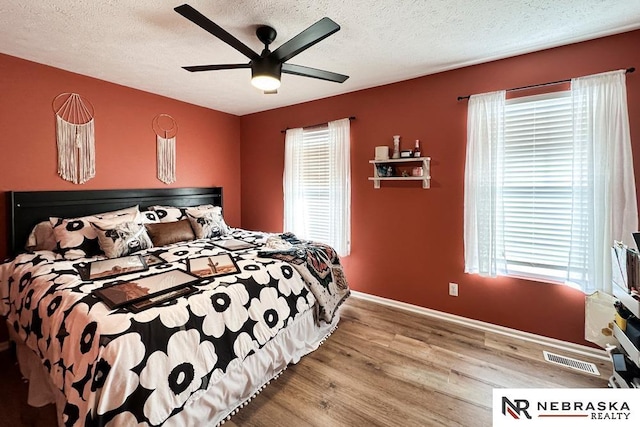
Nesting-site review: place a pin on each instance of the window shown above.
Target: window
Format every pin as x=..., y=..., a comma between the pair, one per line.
x=549, y=183
x=538, y=182
x=317, y=187
x=314, y=167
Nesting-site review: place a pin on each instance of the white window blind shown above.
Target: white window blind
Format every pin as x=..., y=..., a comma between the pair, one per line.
x=315, y=160
x=317, y=184
x=538, y=183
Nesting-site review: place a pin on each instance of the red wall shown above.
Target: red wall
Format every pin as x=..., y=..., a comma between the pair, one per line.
x=407, y=243
x=208, y=141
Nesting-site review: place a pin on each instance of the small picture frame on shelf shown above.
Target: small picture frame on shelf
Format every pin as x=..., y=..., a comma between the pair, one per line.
x=385, y=170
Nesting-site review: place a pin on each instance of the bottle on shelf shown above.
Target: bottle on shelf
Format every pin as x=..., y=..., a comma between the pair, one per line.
x=416, y=150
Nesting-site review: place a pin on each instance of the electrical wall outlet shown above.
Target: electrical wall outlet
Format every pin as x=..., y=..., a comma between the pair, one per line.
x=453, y=289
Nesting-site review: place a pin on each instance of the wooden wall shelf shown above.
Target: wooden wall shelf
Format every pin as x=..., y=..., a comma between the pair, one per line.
x=423, y=161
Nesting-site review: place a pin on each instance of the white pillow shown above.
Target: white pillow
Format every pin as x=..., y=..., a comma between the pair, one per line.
x=119, y=238
x=148, y=217
x=207, y=223
x=174, y=213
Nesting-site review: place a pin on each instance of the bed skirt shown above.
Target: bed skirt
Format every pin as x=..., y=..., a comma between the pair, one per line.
x=242, y=380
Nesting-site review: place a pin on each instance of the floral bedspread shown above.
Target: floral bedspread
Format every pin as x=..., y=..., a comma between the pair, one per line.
x=120, y=367
x=319, y=266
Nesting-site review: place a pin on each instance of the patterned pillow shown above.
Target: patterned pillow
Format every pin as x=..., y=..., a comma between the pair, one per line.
x=201, y=207
x=207, y=223
x=131, y=212
x=76, y=238
x=119, y=238
x=168, y=214
x=173, y=213
x=148, y=217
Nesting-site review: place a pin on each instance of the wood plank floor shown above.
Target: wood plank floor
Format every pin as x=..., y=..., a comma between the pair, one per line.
x=381, y=367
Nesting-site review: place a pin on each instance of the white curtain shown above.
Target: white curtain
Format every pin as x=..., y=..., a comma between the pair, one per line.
x=601, y=132
x=340, y=193
x=296, y=214
x=294, y=207
x=482, y=183
x=604, y=195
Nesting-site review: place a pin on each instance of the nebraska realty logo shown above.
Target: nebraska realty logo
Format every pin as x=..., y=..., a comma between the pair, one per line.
x=566, y=407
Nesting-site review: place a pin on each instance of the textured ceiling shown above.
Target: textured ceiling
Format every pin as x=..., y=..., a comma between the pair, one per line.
x=143, y=43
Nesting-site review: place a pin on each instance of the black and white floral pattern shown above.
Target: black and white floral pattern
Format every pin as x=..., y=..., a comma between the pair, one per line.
x=169, y=214
x=229, y=309
x=75, y=238
x=269, y=311
x=149, y=217
x=120, y=368
x=173, y=213
x=172, y=376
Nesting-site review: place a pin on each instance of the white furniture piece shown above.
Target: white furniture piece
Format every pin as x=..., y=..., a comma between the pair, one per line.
x=418, y=161
x=627, y=347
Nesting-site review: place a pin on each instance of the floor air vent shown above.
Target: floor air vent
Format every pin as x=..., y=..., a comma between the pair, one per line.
x=576, y=364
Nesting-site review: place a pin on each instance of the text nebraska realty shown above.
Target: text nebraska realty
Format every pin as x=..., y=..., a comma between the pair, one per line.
x=598, y=410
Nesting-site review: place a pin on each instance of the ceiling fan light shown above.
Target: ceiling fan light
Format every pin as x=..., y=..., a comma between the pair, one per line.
x=265, y=73
x=265, y=82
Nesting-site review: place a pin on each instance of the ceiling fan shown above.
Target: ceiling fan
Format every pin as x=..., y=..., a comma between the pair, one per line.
x=266, y=68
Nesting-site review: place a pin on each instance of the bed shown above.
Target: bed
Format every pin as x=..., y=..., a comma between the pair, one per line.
x=194, y=359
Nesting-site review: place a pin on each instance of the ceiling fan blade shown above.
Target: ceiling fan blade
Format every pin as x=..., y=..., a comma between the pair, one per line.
x=216, y=67
x=299, y=70
x=307, y=38
x=206, y=24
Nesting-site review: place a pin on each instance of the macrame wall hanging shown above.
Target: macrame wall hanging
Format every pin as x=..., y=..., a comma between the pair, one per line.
x=166, y=129
x=75, y=138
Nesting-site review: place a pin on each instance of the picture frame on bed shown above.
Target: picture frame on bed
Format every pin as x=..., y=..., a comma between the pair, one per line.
x=121, y=294
x=152, y=259
x=233, y=244
x=144, y=304
x=213, y=265
x=112, y=267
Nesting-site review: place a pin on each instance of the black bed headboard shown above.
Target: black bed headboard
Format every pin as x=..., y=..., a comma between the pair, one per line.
x=27, y=208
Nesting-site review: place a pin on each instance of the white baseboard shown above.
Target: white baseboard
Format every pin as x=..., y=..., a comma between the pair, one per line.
x=4, y=346
x=487, y=327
